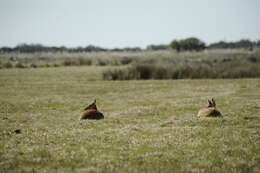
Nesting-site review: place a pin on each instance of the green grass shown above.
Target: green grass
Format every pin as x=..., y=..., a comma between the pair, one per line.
x=149, y=126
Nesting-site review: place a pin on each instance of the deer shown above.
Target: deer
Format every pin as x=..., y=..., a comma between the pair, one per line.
x=210, y=111
x=91, y=112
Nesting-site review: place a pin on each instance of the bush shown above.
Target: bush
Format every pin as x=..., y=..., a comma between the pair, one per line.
x=84, y=61
x=46, y=65
x=20, y=65
x=56, y=65
x=70, y=62
x=126, y=60
x=114, y=62
x=204, y=69
x=8, y=65
x=33, y=65
x=102, y=62
x=145, y=70
x=157, y=47
x=188, y=44
x=129, y=73
x=161, y=72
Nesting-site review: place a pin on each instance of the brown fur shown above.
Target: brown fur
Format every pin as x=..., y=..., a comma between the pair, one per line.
x=91, y=112
x=210, y=111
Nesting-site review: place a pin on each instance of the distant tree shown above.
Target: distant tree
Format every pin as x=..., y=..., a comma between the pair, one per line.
x=188, y=44
x=244, y=43
x=157, y=47
x=6, y=50
x=131, y=49
x=219, y=45
x=258, y=43
x=126, y=49
x=192, y=43
x=175, y=45
x=116, y=50
x=92, y=48
x=31, y=48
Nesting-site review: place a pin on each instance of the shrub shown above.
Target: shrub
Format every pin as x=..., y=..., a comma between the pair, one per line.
x=20, y=65
x=126, y=60
x=204, y=69
x=175, y=45
x=56, y=65
x=8, y=65
x=157, y=47
x=84, y=61
x=70, y=62
x=145, y=70
x=102, y=62
x=33, y=65
x=46, y=65
x=121, y=74
x=161, y=72
x=253, y=59
x=188, y=44
x=114, y=62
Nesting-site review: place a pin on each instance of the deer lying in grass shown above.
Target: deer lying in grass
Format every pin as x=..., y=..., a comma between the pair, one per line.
x=91, y=112
x=210, y=111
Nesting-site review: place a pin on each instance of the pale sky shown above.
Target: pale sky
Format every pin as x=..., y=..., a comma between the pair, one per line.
x=126, y=23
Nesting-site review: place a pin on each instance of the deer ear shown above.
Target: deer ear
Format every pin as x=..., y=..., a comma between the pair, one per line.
x=95, y=101
x=210, y=103
x=213, y=102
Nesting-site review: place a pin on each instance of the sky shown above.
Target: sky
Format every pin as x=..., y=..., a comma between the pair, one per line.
x=126, y=23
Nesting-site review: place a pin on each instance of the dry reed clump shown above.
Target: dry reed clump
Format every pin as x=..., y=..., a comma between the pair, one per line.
x=187, y=68
x=149, y=64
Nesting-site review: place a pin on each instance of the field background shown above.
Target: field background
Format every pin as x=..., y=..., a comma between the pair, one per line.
x=149, y=125
x=135, y=65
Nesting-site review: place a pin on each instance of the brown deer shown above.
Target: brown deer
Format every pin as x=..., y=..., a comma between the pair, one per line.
x=91, y=112
x=210, y=111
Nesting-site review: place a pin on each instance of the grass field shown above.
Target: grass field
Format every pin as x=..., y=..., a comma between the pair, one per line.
x=149, y=126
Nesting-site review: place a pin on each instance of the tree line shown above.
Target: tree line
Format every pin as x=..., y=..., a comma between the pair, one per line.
x=188, y=44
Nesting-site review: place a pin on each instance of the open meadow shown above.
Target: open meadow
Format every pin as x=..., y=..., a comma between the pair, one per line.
x=149, y=126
